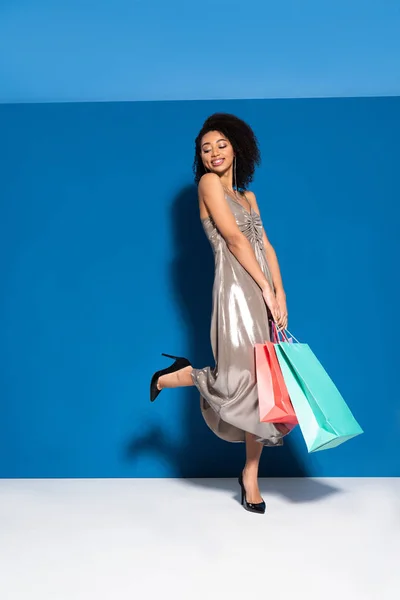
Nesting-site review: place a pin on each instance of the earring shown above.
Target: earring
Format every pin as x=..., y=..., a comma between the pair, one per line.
x=234, y=172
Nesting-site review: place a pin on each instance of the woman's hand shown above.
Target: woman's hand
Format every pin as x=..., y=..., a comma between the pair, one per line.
x=272, y=303
x=281, y=301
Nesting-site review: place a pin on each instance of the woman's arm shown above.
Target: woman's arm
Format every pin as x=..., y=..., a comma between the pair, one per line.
x=211, y=193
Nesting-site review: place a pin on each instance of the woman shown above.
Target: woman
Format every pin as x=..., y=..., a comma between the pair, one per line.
x=247, y=291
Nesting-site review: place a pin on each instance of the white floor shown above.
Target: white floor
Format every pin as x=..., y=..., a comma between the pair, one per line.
x=185, y=539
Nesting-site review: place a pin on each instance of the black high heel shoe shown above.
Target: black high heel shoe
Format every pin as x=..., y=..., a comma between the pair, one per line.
x=180, y=363
x=255, y=508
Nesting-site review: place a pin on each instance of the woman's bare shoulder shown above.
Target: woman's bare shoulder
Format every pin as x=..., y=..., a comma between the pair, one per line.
x=209, y=183
x=208, y=180
x=250, y=195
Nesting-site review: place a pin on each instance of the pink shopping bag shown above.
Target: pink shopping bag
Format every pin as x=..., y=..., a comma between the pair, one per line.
x=273, y=397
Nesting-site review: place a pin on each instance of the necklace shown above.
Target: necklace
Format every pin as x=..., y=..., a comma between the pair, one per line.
x=236, y=196
x=232, y=192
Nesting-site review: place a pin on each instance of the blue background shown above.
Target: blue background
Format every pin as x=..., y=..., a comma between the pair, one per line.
x=101, y=50
x=104, y=265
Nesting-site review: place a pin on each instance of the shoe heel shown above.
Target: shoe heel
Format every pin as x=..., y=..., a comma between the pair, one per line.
x=169, y=355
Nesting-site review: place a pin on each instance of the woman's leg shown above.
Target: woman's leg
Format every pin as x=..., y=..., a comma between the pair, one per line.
x=181, y=378
x=250, y=471
x=254, y=449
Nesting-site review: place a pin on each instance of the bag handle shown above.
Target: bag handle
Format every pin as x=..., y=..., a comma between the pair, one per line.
x=284, y=333
x=276, y=333
x=291, y=335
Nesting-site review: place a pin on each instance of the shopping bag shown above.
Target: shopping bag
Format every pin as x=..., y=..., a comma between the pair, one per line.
x=324, y=418
x=273, y=398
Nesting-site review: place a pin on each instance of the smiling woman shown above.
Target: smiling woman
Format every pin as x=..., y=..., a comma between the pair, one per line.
x=224, y=149
x=247, y=294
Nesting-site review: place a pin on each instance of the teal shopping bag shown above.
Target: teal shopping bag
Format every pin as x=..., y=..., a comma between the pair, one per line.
x=324, y=418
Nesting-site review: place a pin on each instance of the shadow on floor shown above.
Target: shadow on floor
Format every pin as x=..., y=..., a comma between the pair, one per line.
x=294, y=489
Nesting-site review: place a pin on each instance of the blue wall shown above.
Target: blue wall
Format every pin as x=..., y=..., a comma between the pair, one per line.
x=104, y=265
x=98, y=50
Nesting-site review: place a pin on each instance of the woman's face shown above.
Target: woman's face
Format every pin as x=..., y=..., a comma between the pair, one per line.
x=216, y=152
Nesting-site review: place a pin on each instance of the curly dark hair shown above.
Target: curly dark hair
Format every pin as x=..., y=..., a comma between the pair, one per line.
x=244, y=143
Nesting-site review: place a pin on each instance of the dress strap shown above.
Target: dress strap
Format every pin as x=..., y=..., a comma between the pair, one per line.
x=247, y=201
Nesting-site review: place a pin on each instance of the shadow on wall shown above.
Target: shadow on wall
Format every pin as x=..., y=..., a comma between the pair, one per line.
x=202, y=453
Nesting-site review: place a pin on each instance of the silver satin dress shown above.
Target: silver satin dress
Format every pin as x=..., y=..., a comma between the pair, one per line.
x=228, y=392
